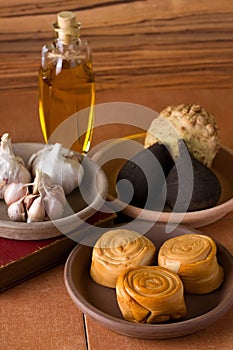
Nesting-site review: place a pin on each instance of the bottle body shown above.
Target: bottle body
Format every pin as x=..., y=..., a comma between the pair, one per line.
x=67, y=86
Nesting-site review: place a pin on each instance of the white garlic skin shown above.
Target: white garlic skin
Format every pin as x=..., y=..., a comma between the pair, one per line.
x=12, y=167
x=14, y=192
x=16, y=211
x=61, y=165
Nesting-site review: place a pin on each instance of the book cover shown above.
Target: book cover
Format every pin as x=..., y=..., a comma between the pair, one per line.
x=20, y=260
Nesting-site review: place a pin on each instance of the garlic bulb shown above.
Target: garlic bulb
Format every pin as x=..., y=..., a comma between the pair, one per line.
x=63, y=167
x=12, y=167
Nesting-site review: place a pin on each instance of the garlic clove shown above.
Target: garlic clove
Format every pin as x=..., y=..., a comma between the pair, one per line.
x=53, y=196
x=14, y=192
x=37, y=181
x=16, y=211
x=29, y=199
x=53, y=207
x=53, y=191
x=54, y=200
x=36, y=211
x=41, y=181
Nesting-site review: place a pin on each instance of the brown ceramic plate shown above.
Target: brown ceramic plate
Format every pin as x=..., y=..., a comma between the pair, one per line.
x=77, y=210
x=222, y=166
x=100, y=302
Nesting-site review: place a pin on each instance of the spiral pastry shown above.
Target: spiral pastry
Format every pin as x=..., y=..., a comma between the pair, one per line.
x=117, y=250
x=150, y=294
x=193, y=257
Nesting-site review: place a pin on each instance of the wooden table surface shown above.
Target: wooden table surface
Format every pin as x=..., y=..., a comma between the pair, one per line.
x=148, y=52
x=39, y=314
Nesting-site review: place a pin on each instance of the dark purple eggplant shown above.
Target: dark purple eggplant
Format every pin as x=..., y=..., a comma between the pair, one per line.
x=191, y=186
x=144, y=176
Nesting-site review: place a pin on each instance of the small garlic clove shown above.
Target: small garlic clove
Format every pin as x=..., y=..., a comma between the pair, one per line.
x=29, y=199
x=16, y=211
x=54, y=191
x=53, y=207
x=36, y=211
x=54, y=200
x=14, y=192
x=53, y=196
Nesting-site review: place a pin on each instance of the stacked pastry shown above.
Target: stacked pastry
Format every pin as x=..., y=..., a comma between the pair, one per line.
x=123, y=259
x=150, y=294
x=117, y=250
x=193, y=258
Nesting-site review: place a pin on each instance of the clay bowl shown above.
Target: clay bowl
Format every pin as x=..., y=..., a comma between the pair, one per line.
x=222, y=166
x=100, y=302
x=77, y=209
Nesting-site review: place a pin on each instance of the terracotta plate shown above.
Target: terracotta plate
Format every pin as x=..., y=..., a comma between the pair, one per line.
x=108, y=157
x=77, y=209
x=100, y=302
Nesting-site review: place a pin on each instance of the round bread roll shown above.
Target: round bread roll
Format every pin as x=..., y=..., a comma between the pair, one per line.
x=193, y=257
x=150, y=294
x=117, y=250
x=191, y=123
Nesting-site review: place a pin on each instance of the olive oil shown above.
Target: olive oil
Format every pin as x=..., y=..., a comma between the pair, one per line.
x=67, y=85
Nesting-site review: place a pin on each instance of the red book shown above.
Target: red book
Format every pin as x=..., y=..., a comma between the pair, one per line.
x=20, y=260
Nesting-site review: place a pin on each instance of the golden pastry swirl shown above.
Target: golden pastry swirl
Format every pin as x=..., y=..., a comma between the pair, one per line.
x=193, y=257
x=150, y=294
x=117, y=250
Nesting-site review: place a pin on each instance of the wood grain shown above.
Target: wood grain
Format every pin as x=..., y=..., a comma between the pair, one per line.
x=136, y=43
x=151, y=52
x=38, y=314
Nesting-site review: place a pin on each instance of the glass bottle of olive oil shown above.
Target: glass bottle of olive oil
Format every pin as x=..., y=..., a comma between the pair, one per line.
x=67, y=85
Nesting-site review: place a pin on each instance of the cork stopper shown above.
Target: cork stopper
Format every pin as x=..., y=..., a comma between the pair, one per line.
x=66, y=26
x=66, y=20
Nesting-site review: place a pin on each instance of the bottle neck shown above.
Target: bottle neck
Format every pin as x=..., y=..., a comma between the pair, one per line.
x=67, y=36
